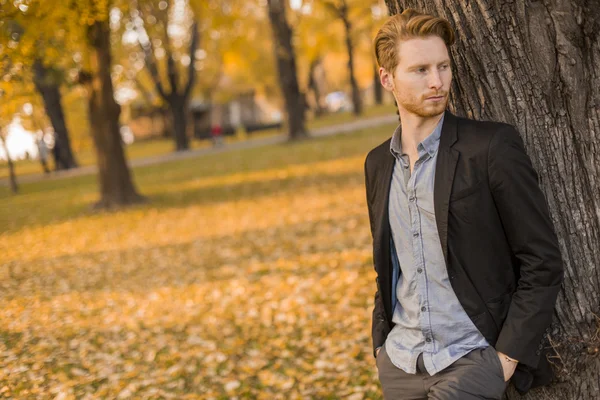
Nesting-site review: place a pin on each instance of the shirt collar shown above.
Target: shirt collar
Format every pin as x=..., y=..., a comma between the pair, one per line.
x=430, y=144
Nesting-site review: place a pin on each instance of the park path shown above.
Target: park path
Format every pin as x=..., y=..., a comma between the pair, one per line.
x=246, y=144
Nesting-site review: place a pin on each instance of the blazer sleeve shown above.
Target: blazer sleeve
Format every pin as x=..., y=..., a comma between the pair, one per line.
x=526, y=221
x=379, y=326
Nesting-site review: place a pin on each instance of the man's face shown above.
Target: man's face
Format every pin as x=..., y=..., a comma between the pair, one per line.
x=421, y=81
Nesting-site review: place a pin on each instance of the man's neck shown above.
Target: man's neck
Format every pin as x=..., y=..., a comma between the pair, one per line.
x=415, y=129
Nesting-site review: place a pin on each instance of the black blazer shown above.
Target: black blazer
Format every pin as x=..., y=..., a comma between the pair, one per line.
x=499, y=244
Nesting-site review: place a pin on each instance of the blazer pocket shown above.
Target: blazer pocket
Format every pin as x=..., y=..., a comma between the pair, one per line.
x=465, y=192
x=498, y=308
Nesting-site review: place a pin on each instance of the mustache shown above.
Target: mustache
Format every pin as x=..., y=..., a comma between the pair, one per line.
x=436, y=95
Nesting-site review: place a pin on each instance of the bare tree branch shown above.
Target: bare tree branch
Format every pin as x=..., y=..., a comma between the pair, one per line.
x=149, y=58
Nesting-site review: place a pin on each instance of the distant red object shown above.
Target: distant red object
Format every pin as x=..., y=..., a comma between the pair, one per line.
x=216, y=131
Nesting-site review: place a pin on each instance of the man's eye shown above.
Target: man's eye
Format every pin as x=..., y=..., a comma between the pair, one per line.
x=445, y=66
x=421, y=70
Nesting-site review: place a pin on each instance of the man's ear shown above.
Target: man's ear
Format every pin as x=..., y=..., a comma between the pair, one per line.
x=386, y=79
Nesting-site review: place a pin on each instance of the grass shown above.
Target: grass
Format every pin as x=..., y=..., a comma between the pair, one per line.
x=247, y=274
x=154, y=147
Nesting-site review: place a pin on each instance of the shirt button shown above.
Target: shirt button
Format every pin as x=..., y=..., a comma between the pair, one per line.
x=416, y=234
x=428, y=340
x=419, y=270
x=411, y=199
x=423, y=309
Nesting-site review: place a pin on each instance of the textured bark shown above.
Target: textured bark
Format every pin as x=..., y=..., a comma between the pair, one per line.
x=535, y=64
x=286, y=67
x=116, y=186
x=50, y=92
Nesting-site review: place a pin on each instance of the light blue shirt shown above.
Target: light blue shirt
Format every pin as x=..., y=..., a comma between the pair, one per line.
x=428, y=316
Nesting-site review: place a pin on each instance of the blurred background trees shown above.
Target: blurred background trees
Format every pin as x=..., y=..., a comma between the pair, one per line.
x=96, y=75
x=153, y=20
x=286, y=67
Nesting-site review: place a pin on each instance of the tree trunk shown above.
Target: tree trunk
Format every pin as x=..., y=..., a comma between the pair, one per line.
x=356, y=98
x=178, y=98
x=116, y=185
x=167, y=125
x=14, y=187
x=286, y=67
x=50, y=92
x=534, y=64
x=377, y=88
x=179, y=117
x=315, y=83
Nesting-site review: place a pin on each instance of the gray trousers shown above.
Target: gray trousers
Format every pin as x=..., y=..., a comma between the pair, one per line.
x=477, y=375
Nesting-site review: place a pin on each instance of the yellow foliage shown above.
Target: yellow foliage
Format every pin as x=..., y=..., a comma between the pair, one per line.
x=248, y=275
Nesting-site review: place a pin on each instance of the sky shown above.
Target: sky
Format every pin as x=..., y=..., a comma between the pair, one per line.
x=19, y=142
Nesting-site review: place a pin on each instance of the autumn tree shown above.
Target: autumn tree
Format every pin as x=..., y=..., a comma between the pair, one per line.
x=153, y=19
x=116, y=184
x=84, y=27
x=47, y=82
x=31, y=58
x=535, y=65
x=286, y=68
x=341, y=10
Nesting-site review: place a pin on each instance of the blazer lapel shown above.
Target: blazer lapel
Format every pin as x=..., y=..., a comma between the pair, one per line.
x=444, y=178
x=382, y=245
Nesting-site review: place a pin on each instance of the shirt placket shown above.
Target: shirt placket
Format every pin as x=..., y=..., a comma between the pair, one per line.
x=419, y=257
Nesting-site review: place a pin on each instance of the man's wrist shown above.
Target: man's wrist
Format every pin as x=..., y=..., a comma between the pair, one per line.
x=507, y=358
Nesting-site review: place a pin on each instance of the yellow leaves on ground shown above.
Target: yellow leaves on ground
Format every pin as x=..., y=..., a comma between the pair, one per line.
x=248, y=285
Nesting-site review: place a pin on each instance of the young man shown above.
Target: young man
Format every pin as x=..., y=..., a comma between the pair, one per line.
x=468, y=265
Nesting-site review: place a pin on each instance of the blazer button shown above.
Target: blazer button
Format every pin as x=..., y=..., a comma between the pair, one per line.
x=537, y=353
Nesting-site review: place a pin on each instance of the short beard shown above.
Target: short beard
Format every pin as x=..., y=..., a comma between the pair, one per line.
x=423, y=111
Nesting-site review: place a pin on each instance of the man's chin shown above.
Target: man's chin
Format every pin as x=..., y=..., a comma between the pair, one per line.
x=430, y=112
x=434, y=110
x=427, y=110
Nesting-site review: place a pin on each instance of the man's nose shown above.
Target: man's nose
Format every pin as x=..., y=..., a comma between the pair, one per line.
x=435, y=81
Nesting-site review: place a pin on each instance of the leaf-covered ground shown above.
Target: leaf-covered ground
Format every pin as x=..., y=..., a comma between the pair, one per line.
x=248, y=275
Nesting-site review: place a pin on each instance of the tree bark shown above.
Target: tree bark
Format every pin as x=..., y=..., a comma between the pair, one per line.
x=116, y=185
x=534, y=64
x=286, y=67
x=50, y=92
